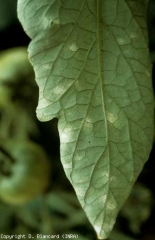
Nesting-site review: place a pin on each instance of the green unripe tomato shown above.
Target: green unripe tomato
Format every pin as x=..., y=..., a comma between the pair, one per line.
x=27, y=175
x=14, y=64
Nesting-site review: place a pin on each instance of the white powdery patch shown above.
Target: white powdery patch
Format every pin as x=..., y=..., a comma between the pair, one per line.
x=43, y=102
x=121, y=41
x=73, y=47
x=66, y=136
x=111, y=117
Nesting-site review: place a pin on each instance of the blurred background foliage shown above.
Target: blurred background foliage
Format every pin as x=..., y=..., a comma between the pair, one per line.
x=53, y=209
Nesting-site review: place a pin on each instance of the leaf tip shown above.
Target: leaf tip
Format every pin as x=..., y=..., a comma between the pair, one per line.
x=101, y=237
x=98, y=232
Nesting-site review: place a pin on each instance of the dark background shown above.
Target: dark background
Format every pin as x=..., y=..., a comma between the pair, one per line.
x=12, y=35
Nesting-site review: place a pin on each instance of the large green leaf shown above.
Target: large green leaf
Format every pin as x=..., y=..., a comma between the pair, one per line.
x=92, y=66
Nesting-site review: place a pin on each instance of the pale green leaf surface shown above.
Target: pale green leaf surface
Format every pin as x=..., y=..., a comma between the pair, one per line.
x=92, y=66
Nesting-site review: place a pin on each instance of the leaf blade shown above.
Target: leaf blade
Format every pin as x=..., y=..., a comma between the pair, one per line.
x=96, y=78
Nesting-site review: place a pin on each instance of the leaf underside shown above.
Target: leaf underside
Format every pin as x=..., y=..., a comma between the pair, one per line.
x=91, y=62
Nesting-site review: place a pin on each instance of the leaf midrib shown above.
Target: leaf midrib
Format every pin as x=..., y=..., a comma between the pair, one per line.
x=100, y=78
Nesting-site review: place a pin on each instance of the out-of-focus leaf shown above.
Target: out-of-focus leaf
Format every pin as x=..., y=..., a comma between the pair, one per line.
x=115, y=235
x=7, y=13
x=92, y=66
x=6, y=214
x=59, y=204
x=137, y=208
